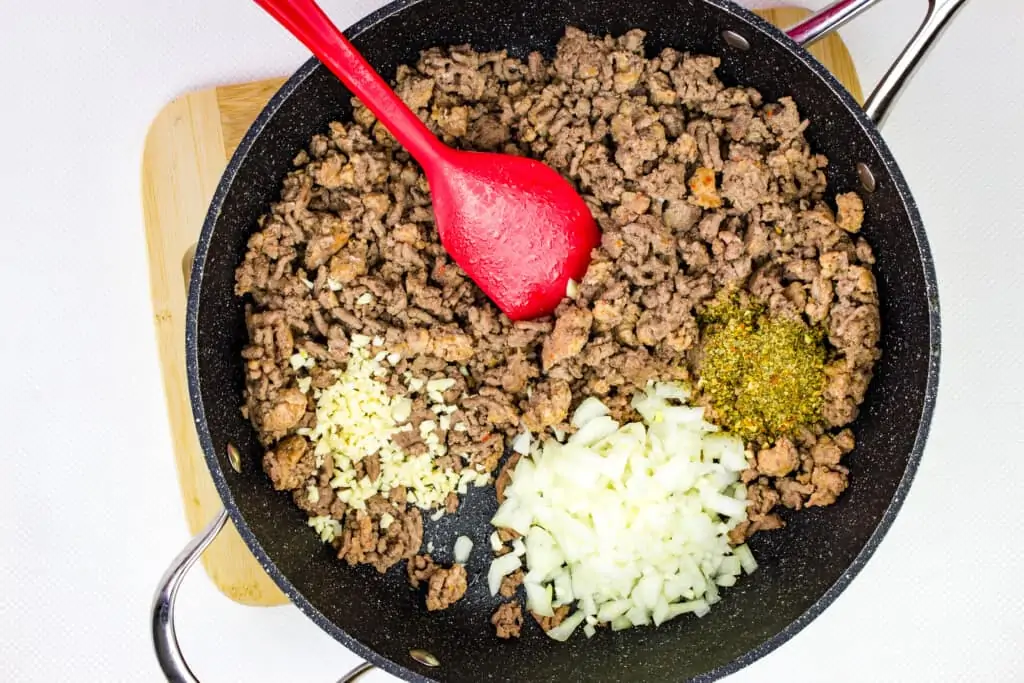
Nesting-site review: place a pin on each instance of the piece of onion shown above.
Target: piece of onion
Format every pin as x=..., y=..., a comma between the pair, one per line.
x=499, y=569
x=521, y=444
x=538, y=599
x=746, y=558
x=463, y=547
x=588, y=409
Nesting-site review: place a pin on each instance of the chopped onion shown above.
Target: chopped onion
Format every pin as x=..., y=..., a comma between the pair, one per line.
x=593, y=431
x=589, y=409
x=521, y=444
x=621, y=623
x=589, y=630
x=499, y=569
x=746, y=558
x=496, y=543
x=538, y=599
x=628, y=522
x=563, y=589
x=463, y=546
x=565, y=629
x=518, y=547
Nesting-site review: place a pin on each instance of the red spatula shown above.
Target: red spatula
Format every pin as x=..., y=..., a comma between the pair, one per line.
x=517, y=228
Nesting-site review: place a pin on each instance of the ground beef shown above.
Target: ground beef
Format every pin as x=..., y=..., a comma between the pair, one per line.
x=505, y=476
x=289, y=463
x=795, y=475
x=779, y=460
x=363, y=541
x=446, y=586
x=508, y=620
x=419, y=570
x=510, y=583
x=697, y=188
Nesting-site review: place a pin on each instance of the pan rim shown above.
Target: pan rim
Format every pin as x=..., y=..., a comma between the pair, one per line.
x=226, y=183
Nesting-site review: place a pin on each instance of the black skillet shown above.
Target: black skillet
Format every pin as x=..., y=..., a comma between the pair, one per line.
x=803, y=568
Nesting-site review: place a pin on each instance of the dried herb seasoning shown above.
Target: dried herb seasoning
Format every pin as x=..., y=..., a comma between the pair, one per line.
x=764, y=375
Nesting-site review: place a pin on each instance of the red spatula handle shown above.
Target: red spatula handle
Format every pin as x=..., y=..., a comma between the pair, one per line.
x=307, y=22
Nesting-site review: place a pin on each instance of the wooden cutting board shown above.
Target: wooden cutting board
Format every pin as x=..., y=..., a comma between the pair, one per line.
x=187, y=148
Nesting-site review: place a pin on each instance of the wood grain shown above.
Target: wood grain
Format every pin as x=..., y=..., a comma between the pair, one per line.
x=187, y=149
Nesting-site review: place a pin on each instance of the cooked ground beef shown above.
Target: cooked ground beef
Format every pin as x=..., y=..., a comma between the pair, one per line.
x=364, y=541
x=508, y=620
x=446, y=586
x=419, y=569
x=510, y=583
x=698, y=188
x=505, y=476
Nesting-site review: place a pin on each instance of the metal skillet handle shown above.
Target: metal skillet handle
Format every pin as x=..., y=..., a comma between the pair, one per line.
x=880, y=102
x=165, y=638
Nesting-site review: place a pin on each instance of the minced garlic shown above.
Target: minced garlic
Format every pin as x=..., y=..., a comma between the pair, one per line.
x=357, y=418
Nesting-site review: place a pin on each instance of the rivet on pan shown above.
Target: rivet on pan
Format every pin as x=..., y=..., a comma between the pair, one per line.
x=867, y=178
x=235, y=458
x=733, y=39
x=424, y=658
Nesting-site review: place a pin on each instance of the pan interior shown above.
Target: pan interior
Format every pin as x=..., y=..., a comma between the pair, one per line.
x=798, y=564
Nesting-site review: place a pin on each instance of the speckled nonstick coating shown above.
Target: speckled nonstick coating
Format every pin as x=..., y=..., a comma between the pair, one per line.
x=803, y=567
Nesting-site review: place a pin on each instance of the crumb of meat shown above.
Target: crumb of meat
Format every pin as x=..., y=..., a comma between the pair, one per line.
x=779, y=460
x=284, y=413
x=289, y=463
x=548, y=623
x=548, y=406
x=572, y=330
x=508, y=620
x=445, y=587
x=505, y=476
x=828, y=483
x=510, y=583
x=850, y=216
x=507, y=535
x=419, y=569
x=704, y=192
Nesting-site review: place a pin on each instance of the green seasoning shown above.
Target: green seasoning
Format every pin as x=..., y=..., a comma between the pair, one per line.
x=764, y=375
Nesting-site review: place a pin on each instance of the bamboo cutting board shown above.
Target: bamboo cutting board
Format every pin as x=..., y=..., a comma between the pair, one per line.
x=187, y=148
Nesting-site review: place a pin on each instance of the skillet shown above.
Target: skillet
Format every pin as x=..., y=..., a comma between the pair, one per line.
x=802, y=568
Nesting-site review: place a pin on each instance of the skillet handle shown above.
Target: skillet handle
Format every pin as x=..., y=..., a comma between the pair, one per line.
x=165, y=639
x=881, y=100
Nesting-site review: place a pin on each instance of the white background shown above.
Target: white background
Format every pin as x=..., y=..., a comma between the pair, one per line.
x=90, y=513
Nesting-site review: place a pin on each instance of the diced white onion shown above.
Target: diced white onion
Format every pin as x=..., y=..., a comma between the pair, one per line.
x=746, y=558
x=538, y=599
x=499, y=569
x=628, y=523
x=588, y=410
x=463, y=547
x=564, y=630
x=521, y=444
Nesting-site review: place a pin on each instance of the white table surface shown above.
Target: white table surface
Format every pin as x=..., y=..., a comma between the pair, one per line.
x=91, y=513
